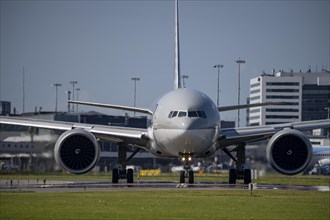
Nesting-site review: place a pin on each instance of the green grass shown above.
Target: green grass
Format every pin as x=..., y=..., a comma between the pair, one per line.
x=170, y=204
x=167, y=204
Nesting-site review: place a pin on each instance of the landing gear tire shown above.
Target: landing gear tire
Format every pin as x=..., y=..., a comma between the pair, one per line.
x=232, y=176
x=247, y=176
x=130, y=176
x=182, y=176
x=191, y=176
x=115, y=176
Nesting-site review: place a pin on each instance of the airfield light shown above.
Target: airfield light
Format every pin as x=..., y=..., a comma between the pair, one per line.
x=56, y=85
x=239, y=61
x=218, y=66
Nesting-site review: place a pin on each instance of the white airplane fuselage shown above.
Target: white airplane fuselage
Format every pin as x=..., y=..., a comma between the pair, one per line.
x=321, y=155
x=185, y=121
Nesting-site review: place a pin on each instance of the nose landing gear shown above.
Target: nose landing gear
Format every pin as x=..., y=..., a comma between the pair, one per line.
x=187, y=174
x=186, y=158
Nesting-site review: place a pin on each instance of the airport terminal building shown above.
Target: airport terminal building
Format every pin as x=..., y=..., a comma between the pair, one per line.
x=305, y=96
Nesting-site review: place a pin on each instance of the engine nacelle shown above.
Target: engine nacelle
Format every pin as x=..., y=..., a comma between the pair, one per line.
x=289, y=152
x=77, y=151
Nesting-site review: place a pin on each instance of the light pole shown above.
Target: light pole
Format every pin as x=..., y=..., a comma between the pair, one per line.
x=73, y=83
x=77, y=89
x=239, y=61
x=183, y=82
x=135, y=79
x=23, y=90
x=69, y=93
x=218, y=66
x=56, y=85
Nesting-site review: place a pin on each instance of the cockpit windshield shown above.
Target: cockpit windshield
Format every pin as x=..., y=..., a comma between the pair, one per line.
x=182, y=114
x=190, y=114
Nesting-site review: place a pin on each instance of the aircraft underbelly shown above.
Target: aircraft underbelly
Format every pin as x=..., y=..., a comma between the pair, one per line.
x=176, y=141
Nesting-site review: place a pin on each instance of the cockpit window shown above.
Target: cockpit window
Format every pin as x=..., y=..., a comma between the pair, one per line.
x=190, y=114
x=201, y=114
x=173, y=114
x=182, y=114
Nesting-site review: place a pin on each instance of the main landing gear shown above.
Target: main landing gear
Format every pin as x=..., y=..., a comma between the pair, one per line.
x=239, y=173
x=121, y=172
x=186, y=158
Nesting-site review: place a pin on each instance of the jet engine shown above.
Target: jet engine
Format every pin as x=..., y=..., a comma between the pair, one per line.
x=77, y=151
x=289, y=152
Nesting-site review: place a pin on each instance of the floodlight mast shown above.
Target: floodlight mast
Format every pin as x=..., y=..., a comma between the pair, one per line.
x=69, y=93
x=77, y=89
x=239, y=61
x=135, y=79
x=73, y=83
x=218, y=66
x=56, y=85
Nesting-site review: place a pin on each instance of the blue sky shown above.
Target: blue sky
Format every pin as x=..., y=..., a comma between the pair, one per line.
x=102, y=44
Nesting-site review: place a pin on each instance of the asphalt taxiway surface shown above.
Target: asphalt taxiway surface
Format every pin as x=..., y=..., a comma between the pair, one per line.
x=66, y=185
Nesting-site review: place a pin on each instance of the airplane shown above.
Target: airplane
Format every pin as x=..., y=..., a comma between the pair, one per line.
x=185, y=124
x=320, y=161
x=321, y=155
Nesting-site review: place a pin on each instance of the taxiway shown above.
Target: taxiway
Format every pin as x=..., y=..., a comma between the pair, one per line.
x=67, y=185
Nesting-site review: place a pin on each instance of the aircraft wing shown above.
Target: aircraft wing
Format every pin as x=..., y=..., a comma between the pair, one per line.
x=118, y=134
x=118, y=107
x=236, y=107
x=232, y=136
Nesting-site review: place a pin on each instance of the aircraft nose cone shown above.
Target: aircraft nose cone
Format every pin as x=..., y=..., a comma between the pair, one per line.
x=190, y=124
x=185, y=140
x=194, y=141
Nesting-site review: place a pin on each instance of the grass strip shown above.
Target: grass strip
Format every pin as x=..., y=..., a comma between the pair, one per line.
x=167, y=204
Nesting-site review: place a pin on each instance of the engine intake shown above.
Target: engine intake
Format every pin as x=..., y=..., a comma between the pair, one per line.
x=289, y=152
x=77, y=151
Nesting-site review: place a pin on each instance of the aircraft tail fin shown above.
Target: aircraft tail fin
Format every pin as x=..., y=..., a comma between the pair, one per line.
x=177, y=73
